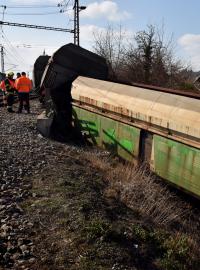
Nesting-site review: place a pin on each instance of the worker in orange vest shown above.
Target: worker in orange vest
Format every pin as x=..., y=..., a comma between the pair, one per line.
x=8, y=87
x=23, y=86
x=18, y=75
x=2, y=88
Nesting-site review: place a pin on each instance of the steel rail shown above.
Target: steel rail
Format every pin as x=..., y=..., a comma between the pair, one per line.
x=179, y=92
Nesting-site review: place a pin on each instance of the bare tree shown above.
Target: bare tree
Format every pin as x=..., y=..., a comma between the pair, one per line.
x=147, y=58
x=152, y=59
x=146, y=44
x=111, y=45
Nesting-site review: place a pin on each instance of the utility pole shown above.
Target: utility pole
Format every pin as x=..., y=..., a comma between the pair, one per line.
x=2, y=59
x=76, y=22
x=77, y=9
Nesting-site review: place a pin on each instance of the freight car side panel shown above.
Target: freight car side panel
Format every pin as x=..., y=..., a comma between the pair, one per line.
x=119, y=138
x=88, y=124
x=128, y=139
x=177, y=162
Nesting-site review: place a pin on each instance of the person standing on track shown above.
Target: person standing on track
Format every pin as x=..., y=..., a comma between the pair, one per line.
x=23, y=86
x=2, y=88
x=18, y=75
x=2, y=75
x=8, y=87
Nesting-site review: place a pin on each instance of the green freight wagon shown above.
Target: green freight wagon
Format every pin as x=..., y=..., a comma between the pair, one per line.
x=137, y=124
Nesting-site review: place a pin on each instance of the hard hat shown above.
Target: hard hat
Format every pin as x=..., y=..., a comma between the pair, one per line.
x=10, y=74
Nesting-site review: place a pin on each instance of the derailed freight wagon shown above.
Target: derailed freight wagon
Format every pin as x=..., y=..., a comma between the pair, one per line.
x=38, y=69
x=64, y=66
x=135, y=123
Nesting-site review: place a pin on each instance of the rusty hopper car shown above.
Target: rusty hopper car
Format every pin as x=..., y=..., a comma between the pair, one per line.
x=159, y=128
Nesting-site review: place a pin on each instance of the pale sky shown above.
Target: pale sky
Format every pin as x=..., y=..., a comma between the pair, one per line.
x=23, y=46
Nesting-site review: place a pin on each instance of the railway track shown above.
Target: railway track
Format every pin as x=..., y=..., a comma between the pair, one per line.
x=32, y=96
x=178, y=92
x=185, y=93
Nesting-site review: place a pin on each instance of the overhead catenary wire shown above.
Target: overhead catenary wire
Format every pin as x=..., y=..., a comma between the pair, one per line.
x=9, y=62
x=33, y=26
x=31, y=6
x=12, y=57
x=8, y=57
x=28, y=14
x=13, y=50
x=68, y=2
x=63, y=10
x=64, y=3
x=3, y=13
x=32, y=46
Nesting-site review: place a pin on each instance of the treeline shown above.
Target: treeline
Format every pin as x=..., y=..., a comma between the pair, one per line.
x=147, y=57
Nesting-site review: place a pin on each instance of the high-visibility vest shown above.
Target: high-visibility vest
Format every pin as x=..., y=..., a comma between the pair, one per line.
x=16, y=82
x=2, y=86
x=23, y=85
x=8, y=86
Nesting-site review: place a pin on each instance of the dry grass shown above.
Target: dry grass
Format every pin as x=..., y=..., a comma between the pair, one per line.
x=80, y=226
x=139, y=190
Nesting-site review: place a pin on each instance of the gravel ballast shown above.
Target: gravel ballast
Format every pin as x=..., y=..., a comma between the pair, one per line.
x=23, y=153
x=61, y=207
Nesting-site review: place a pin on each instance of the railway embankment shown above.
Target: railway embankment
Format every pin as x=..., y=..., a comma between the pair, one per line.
x=69, y=207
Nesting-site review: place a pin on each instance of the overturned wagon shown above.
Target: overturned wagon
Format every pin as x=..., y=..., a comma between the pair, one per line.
x=65, y=65
x=137, y=124
x=38, y=69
